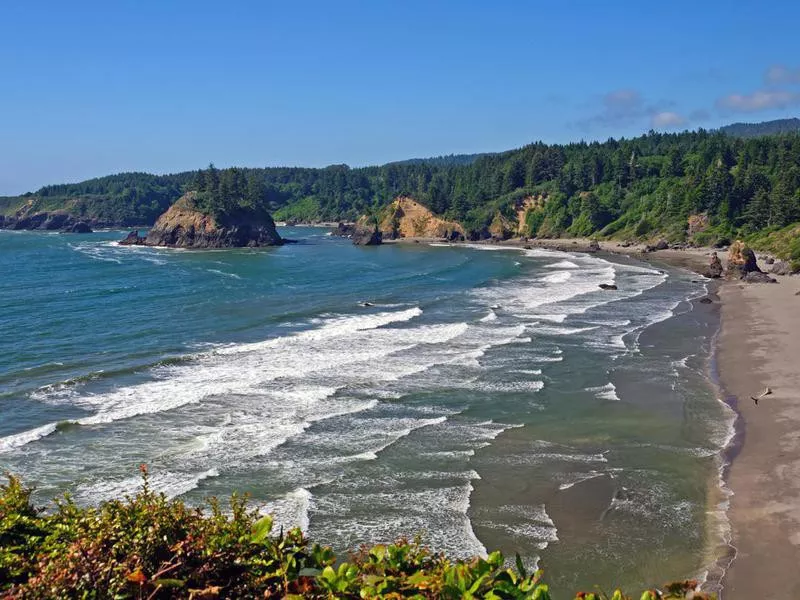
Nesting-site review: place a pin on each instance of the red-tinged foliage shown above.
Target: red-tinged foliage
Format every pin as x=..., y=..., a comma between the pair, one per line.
x=148, y=547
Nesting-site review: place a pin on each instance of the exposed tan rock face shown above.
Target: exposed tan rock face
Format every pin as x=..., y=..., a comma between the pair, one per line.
x=523, y=207
x=405, y=217
x=184, y=226
x=741, y=261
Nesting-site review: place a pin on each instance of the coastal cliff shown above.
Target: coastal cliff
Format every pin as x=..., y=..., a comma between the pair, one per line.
x=405, y=217
x=186, y=225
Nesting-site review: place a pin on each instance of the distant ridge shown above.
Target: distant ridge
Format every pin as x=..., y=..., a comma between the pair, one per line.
x=450, y=160
x=749, y=130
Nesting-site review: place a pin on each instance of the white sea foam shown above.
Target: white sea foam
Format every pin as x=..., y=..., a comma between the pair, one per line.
x=490, y=316
x=17, y=440
x=223, y=273
x=562, y=264
x=171, y=484
x=557, y=277
x=292, y=510
x=604, y=392
x=572, y=479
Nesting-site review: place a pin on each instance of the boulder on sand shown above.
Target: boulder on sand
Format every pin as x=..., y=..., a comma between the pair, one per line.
x=714, y=270
x=781, y=267
x=741, y=261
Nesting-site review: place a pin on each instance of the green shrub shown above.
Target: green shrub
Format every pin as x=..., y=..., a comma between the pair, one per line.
x=146, y=546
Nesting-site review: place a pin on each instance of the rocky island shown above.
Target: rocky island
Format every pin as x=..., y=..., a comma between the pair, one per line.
x=209, y=218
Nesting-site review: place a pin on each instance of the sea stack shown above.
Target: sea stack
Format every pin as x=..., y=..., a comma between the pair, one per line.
x=186, y=224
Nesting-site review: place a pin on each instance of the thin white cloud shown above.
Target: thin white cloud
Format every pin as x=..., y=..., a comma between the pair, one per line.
x=667, y=120
x=757, y=101
x=781, y=74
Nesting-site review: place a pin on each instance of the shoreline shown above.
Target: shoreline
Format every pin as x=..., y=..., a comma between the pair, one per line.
x=754, y=498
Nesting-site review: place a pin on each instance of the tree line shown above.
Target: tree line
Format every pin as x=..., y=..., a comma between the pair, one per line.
x=626, y=187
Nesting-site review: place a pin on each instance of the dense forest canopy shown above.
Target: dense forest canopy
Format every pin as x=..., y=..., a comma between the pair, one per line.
x=645, y=186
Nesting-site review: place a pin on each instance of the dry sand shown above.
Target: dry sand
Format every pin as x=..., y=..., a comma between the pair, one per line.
x=759, y=346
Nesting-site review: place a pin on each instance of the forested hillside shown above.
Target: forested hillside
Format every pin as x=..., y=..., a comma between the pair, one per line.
x=647, y=186
x=765, y=128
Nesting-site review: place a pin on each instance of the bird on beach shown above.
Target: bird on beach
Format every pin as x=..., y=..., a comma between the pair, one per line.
x=755, y=399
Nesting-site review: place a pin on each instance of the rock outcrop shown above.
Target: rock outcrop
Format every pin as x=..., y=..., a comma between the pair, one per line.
x=659, y=245
x=405, y=217
x=79, y=227
x=741, y=261
x=715, y=269
x=344, y=230
x=185, y=225
x=363, y=236
x=133, y=239
x=526, y=205
x=781, y=267
x=501, y=228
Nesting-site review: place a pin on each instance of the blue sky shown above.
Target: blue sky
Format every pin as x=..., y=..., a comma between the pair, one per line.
x=92, y=88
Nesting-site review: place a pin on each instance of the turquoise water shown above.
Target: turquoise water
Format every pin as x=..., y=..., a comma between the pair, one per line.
x=484, y=398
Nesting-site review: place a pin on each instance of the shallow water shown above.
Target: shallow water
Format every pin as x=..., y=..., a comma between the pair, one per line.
x=486, y=399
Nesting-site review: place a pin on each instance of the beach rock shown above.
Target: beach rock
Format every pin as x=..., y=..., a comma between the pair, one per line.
x=706, y=300
x=769, y=260
x=184, y=225
x=758, y=277
x=594, y=246
x=625, y=244
x=344, y=230
x=714, y=270
x=607, y=286
x=57, y=221
x=741, y=261
x=30, y=222
x=132, y=239
x=366, y=237
x=781, y=267
x=407, y=218
x=475, y=235
x=80, y=227
x=455, y=236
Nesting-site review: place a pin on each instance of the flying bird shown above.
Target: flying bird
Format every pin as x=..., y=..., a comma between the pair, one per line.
x=755, y=399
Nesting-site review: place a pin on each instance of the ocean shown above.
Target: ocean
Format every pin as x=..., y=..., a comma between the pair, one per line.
x=480, y=397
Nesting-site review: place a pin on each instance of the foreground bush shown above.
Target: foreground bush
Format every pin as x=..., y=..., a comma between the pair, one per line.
x=149, y=547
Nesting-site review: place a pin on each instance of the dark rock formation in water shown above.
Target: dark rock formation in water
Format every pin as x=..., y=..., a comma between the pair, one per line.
x=607, y=286
x=344, y=230
x=133, y=239
x=184, y=225
x=367, y=237
x=79, y=227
